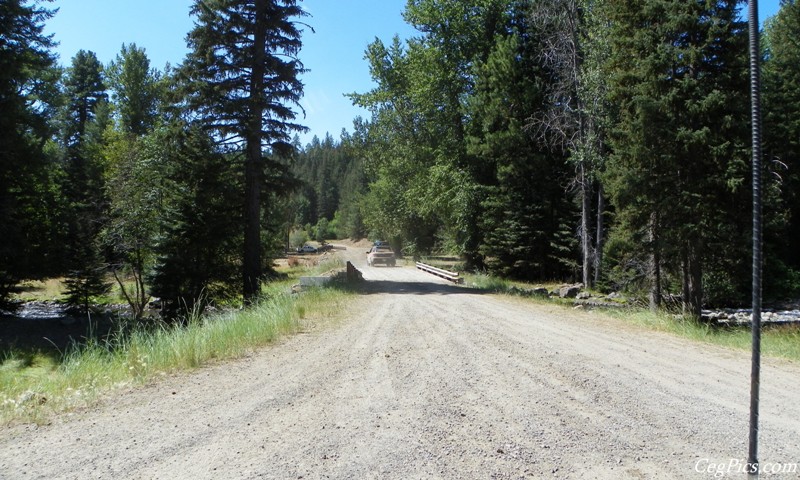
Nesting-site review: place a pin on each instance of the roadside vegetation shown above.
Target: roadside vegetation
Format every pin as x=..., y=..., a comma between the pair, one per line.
x=513, y=160
x=34, y=384
x=781, y=341
x=776, y=340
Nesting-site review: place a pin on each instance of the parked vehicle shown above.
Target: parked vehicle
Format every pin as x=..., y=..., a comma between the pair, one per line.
x=381, y=254
x=306, y=249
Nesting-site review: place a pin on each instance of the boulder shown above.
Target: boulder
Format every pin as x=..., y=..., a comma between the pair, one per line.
x=569, y=291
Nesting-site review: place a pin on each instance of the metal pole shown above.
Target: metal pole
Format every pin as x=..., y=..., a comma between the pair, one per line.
x=755, y=375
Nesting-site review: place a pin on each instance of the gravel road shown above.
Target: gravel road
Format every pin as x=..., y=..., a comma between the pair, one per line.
x=426, y=380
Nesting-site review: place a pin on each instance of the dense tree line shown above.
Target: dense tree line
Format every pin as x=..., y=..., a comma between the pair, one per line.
x=28, y=187
x=329, y=202
x=168, y=181
x=782, y=147
x=602, y=141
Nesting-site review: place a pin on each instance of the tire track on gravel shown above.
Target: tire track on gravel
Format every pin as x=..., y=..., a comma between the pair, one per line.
x=426, y=380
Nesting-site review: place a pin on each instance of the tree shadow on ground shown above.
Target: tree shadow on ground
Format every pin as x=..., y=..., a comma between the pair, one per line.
x=372, y=287
x=52, y=336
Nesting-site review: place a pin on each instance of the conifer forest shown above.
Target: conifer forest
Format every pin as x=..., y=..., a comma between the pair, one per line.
x=605, y=142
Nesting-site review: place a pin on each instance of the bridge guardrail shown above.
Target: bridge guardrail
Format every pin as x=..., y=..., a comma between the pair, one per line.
x=447, y=275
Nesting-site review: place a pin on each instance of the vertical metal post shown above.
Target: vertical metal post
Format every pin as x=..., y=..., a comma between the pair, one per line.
x=755, y=98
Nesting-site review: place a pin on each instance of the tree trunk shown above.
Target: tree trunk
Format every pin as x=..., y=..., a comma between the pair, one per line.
x=693, y=272
x=685, y=289
x=253, y=163
x=598, y=253
x=655, y=263
x=252, y=234
x=586, y=240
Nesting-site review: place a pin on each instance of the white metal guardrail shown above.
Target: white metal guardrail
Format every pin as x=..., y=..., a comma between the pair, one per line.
x=451, y=276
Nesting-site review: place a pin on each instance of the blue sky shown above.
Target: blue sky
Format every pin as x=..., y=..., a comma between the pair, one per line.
x=334, y=54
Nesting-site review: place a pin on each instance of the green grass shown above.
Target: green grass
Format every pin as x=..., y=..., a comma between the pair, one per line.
x=494, y=284
x=488, y=283
x=782, y=341
x=53, y=289
x=35, y=385
x=331, y=263
x=451, y=263
x=40, y=290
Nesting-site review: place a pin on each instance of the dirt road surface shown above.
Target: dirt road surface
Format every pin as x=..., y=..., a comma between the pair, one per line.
x=427, y=380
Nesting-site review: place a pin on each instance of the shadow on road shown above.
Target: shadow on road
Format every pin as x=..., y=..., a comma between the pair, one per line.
x=371, y=287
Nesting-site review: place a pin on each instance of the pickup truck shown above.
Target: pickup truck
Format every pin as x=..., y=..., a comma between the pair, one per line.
x=306, y=249
x=381, y=254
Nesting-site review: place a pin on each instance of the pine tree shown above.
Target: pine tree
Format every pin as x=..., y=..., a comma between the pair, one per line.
x=524, y=204
x=87, y=281
x=84, y=90
x=26, y=66
x=196, y=249
x=84, y=98
x=782, y=152
x=677, y=76
x=135, y=90
x=241, y=79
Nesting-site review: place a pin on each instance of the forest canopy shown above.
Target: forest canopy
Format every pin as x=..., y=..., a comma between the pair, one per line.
x=599, y=141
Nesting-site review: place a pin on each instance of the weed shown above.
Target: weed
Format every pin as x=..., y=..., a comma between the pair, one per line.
x=34, y=385
x=489, y=283
x=776, y=340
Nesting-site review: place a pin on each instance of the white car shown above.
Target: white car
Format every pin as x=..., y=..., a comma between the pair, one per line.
x=382, y=254
x=306, y=249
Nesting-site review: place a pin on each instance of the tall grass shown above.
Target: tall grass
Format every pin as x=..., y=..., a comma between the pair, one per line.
x=35, y=385
x=40, y=290
x=489, y=283
x=781, y=341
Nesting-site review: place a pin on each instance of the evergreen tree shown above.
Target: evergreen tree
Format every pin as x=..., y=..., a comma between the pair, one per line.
x=84, y=97
x=26, y=193
x=242, y=80
x=135, y=90
x=525, y=205
x=782, y=152
x=677, y=76
x=332, y=176
x=87, y=281
x=85, y=116
x=197, y=242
